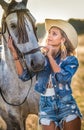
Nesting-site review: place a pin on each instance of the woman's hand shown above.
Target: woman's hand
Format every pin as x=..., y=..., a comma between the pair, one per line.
x=47, y=50
x=10, y=44
x=12, y=48
x=19, y=67
x=52, y=51
x=44, y=50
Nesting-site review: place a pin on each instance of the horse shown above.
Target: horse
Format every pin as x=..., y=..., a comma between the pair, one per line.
x=18, y=98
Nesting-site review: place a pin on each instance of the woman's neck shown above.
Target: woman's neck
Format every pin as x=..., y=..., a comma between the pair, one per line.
x=56, y=52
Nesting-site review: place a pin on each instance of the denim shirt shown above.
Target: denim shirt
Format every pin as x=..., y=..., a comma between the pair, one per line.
x=61, y=80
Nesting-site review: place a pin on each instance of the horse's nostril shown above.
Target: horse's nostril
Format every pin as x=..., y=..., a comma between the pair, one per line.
x=36, y=66
x=32, y=63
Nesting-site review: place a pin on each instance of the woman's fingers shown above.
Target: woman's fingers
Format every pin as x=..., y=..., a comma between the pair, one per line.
x=10, y=44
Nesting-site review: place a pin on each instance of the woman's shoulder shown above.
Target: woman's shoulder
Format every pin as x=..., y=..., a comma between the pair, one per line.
x=70, y=60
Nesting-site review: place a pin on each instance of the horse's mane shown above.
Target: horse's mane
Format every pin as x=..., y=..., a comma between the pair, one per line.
x=23, y=37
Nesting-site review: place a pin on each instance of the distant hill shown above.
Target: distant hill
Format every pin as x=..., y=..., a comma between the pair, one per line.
x=78, y=25
x=0, y=36
x=40, y=30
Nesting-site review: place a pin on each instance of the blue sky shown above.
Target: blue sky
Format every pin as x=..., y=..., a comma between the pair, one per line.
x=59, y=9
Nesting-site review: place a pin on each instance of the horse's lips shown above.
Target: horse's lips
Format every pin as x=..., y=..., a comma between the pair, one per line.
x=37, y=69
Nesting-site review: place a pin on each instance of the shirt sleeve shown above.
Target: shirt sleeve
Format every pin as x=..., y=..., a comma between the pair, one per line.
x=68, y=69
x=26, y=75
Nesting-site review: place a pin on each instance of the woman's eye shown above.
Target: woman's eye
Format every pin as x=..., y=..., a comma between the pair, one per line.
x=54, y=33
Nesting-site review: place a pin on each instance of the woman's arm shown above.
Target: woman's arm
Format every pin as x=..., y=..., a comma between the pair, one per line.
x=18, y=65
x=51, y=53
x=55, y=67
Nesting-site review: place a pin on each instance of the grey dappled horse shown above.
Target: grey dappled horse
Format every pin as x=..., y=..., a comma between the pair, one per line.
x=18, y=22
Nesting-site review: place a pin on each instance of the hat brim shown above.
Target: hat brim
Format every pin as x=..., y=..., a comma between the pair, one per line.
x=66, y=27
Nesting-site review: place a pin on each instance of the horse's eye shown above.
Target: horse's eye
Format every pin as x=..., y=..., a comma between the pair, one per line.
x=13, y=26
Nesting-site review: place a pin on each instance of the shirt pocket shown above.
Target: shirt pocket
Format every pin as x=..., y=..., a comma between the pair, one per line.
x=48, y=103
x=42, y=102
x=52, y=103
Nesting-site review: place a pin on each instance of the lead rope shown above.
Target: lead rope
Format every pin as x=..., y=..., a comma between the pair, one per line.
x=12, y=104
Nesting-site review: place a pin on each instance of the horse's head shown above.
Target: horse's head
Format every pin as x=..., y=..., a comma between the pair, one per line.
x=20, y=24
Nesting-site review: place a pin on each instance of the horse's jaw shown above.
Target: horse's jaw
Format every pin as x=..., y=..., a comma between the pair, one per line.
x=35, y=62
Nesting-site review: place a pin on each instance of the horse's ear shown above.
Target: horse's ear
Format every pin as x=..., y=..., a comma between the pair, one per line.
x=25, y=2
x=4, y=5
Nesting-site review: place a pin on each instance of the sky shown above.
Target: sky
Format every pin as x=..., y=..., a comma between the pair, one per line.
x=56, y=9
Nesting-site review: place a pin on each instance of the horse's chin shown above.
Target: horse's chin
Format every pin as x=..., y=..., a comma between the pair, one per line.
x=37, y=69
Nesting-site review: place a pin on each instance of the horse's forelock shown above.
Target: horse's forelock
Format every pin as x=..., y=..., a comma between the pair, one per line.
x=22, y=32
x=23, y=36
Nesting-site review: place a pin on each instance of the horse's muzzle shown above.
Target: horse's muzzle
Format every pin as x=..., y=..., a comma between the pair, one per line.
x=37, y=66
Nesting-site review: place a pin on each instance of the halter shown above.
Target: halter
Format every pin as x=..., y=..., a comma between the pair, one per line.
x=21, y=55
x=4, y=27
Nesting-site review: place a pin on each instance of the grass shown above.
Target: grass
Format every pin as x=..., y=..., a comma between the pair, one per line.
x=78, y=80
x=78, y=84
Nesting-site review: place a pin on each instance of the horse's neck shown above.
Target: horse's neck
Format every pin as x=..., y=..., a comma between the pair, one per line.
x=8, y=75
x=7, y=57
x=7, y=69
x=10, y=82
x=14, y=89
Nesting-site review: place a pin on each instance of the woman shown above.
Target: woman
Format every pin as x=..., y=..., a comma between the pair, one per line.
x=58, y=108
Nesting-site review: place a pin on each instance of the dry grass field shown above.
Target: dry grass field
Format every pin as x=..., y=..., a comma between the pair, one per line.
x=77, y=86
x=78, y=80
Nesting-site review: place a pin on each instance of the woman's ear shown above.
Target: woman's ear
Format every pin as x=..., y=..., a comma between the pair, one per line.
x=63, y=40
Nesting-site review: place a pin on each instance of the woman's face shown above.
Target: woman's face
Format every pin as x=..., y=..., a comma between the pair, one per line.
x=54, y=37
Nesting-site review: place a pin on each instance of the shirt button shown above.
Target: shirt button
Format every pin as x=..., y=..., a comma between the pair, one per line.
x=72, y=111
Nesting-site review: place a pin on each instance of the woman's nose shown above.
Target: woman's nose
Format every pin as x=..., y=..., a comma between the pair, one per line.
x=49, y=36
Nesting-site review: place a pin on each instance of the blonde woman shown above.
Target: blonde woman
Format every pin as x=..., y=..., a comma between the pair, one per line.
x=57, y=107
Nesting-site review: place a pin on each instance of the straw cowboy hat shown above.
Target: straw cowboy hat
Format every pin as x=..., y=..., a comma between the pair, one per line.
x=66, y=27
